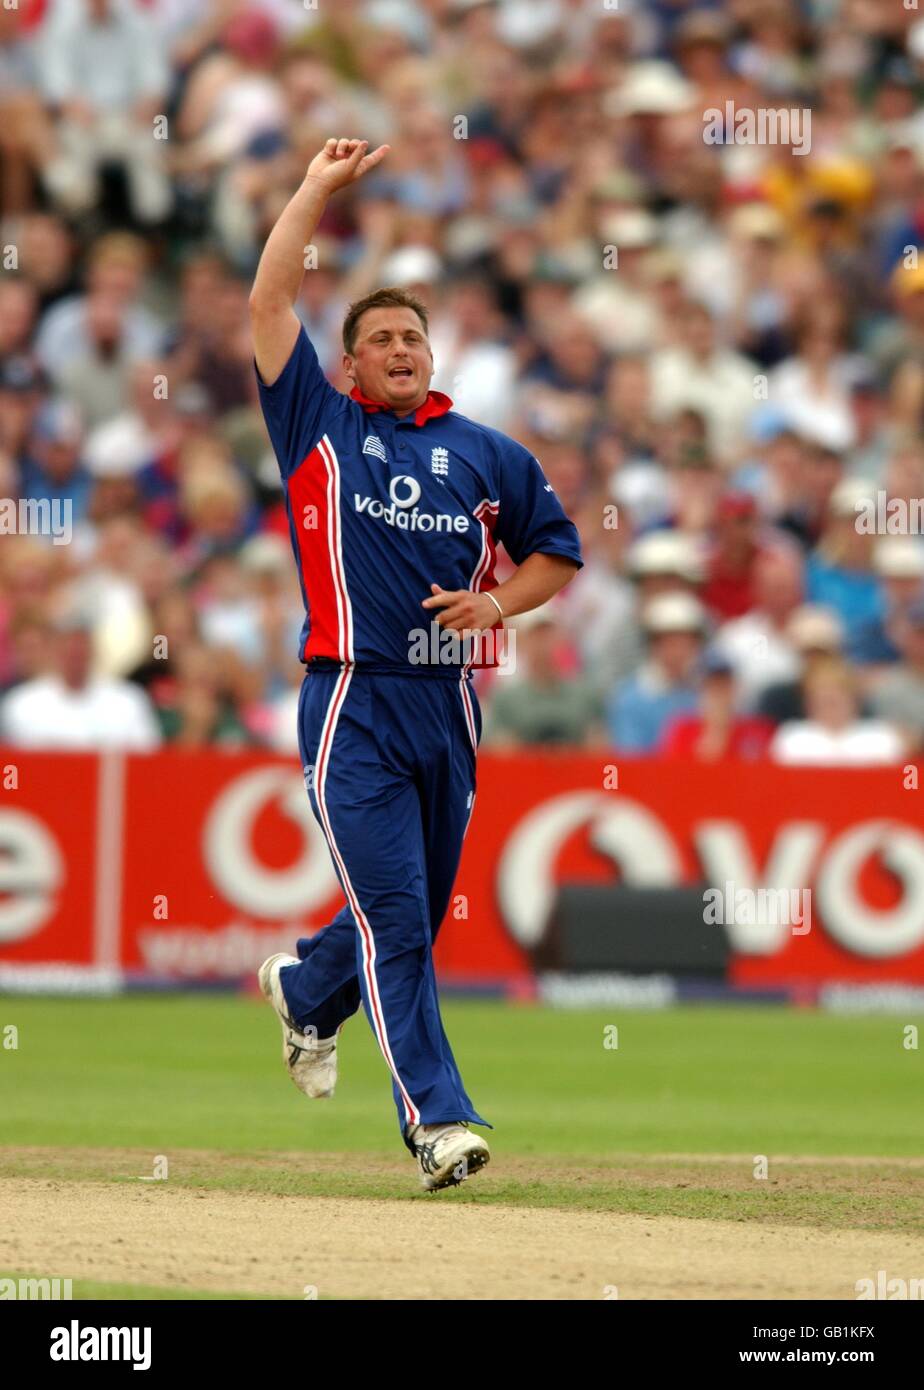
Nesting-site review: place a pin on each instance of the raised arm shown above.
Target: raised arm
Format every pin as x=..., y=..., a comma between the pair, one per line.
x=278, y=279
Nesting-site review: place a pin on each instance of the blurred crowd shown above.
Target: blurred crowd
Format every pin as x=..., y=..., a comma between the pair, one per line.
x=716, y=351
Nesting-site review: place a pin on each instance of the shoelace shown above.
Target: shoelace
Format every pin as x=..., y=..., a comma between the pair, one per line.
x=436, y=1138
x=321, y=1047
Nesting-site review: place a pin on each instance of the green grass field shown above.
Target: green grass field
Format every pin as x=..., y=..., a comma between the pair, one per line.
x=204, y=1072
x=666, y=1125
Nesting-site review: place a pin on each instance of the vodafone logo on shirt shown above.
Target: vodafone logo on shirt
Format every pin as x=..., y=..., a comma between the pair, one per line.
x=404, y=491
x=403, y=513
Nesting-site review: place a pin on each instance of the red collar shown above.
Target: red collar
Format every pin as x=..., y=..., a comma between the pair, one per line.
x=435, y=404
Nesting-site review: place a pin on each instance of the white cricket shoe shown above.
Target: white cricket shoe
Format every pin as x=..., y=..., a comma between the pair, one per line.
x=447, y=1154
x=311, y=1062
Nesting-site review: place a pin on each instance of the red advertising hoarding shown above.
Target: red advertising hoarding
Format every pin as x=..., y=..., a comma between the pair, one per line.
x=193, y=867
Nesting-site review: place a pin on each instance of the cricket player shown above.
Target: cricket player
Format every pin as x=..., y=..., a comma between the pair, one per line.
x=395, y=505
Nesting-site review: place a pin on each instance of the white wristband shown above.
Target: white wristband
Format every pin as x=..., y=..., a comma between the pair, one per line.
x=488, y=594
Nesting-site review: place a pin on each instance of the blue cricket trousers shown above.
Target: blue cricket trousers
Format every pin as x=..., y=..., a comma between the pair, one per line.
x=389, y=760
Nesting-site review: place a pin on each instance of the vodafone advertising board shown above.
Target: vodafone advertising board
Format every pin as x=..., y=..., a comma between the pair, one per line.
x=192, y=867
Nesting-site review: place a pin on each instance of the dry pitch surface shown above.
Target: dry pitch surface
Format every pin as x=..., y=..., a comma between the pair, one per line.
x=217, y=1226
x=629, y=1170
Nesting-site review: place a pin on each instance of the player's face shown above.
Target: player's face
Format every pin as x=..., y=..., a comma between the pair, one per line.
x=391, y=359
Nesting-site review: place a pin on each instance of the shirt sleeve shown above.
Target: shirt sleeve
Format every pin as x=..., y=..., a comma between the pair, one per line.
x=530, y=517
x=299, y=405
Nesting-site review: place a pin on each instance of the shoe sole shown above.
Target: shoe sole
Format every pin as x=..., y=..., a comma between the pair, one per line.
x=474, y=1162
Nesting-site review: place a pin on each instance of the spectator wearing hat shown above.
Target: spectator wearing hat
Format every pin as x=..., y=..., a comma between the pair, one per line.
x=741, y=277
x=898, y=345
x=649, y=95
x=717, y=731
x=899, y=697
x=113, y=458
x=833, y=733
x=821, y=471
x=55, y=470
x=665, y=686
x=21, y=387
x=903, y=480
x=665, y=561
x=776, y=476
x=757, y=644
x=617, y=303
x=730, y=585
x=119, y=448
x=877, y=429
x=840, y=573
x=814, y=634
x=899, y=563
